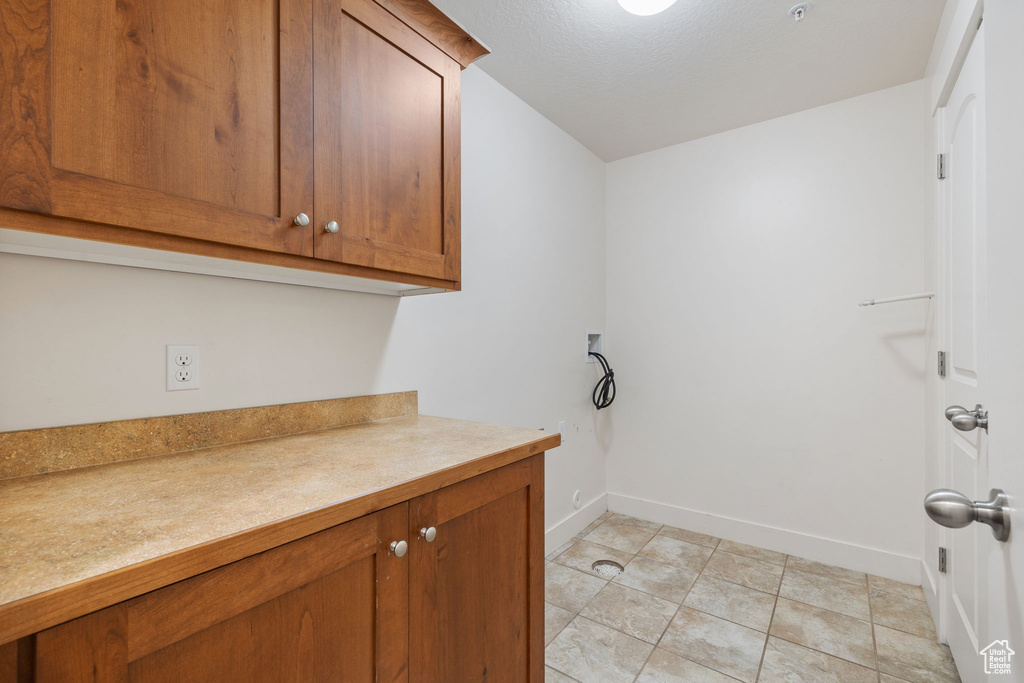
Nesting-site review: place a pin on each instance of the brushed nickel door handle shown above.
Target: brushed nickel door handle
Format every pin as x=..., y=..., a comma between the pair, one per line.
x=955, y=510
x=967, y=420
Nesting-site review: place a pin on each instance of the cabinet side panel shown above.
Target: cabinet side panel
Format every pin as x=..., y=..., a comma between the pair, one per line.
x=536, y=566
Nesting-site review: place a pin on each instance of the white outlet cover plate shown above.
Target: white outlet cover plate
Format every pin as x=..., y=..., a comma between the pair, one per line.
x=190, y=353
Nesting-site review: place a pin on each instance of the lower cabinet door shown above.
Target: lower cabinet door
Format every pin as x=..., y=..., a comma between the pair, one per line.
x=476, y=605
x=328, y=607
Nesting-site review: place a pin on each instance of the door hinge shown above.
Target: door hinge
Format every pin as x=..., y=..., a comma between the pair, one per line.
x=940, y=170
x=942, y=560
x=942, y=363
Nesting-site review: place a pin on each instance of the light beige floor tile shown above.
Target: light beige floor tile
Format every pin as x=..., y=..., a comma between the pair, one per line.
x=829, y=632
x=886, y=678
x=715, y=643
x=623, y=537
x=555, y=619
x=583, y=554
x=762, y=576
x=785, y=662
x=676, y=552
x=593, y=525
x=690, y=536
x=895, y=587
x=667, y=667
x=553, y=676
x=831, y=571
x=558, y=551
x=732, y=602
x=634, y=521
x=850, y=599
x=630, y=611
x=902, y=614
x=912, y=658
x=592, y=652
x=568, y=588
x=752, y=552
x=657, y=578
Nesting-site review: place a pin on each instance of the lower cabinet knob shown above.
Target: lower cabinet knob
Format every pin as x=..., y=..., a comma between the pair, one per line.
x=428, y=534
x=302, y=220
x=331, y=227
x=399, y=548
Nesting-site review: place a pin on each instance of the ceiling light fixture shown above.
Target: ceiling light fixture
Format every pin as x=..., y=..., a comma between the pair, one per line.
x=646, y=8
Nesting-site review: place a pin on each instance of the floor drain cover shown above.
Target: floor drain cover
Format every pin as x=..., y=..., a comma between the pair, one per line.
x=607, y=568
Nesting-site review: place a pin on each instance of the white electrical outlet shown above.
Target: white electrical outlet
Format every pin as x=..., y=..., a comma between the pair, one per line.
x=577, y=500
x=182, y=367
x=561, y=429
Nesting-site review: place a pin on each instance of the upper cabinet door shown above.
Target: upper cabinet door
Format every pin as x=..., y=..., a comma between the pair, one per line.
x=387, y=143
x=185, y=118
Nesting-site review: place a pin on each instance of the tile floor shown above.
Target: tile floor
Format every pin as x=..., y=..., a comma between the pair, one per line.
x=694, y=608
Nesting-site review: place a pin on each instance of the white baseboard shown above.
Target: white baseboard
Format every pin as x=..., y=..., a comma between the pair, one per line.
x=848, y=555
x=573, y=524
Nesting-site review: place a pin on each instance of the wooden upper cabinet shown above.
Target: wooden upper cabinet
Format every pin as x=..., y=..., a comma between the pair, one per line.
x=386, y=110
x=190, y=119
x=208, y=126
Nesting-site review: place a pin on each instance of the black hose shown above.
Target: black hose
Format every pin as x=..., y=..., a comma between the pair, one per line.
x=604, y=392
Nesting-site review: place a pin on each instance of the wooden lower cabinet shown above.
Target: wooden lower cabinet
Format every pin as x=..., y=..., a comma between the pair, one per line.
x=338, y=605
x=328, y=607
x=476, y=594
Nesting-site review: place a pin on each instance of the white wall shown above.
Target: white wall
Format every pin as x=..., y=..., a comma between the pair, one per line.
x=757, y=401
x=85, y=342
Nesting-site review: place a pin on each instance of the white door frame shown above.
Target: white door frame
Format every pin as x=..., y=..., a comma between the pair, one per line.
x=963, y=30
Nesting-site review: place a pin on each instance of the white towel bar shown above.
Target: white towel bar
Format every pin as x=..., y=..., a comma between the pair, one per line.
x=908, y=297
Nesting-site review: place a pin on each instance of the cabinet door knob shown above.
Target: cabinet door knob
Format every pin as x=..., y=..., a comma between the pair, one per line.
x=399, y=548
x=428, y=533
x=302, y=220
x=331, y=227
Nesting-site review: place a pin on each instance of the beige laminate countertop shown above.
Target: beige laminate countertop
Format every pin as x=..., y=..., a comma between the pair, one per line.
x=63, y=528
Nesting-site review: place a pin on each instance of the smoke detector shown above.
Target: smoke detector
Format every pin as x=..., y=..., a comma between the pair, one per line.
x=798, y=12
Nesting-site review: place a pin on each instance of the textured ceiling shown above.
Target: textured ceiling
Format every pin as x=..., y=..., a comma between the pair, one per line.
x=623, y=84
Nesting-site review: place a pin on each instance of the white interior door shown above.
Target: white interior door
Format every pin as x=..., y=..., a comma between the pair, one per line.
x=1004, y=388
x=965, y=312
